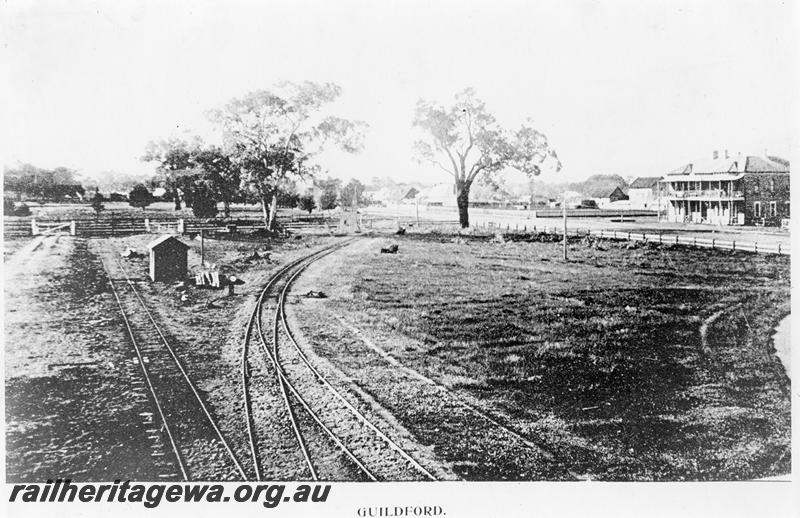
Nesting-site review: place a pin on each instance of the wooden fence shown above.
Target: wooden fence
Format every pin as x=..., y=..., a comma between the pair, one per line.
x=101, y=227
x=677, y=239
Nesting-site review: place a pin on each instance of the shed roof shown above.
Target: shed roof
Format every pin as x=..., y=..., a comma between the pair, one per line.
x=156, y=243
x=645, y=182
x=605, y=192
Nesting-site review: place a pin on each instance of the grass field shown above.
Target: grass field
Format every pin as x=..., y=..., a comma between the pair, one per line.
x=631, y=363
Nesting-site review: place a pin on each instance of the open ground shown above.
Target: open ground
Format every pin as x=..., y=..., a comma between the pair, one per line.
x=486, y=358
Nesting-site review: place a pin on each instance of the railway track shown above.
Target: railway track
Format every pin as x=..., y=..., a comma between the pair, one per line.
x=187, y=441
x=323, y=429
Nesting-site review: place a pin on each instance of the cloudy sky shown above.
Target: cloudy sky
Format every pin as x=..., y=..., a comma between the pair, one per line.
x=629, y=87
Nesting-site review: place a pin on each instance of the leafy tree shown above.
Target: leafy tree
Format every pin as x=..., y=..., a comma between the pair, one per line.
x=287, y=194
x=140, y=197
x=352, y=194
x=328, y=193
x=218, y=174
x=274, y=133
x=203, y=204
x=8, y=207
x=465, y=141
x=42, y=183
x=307, y=203
x=175, y=166
x=97, y=203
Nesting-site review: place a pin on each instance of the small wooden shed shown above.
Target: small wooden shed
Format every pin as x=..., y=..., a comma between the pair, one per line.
x=169, y=259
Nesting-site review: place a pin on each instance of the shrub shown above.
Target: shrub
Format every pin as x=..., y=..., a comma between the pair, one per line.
x=97, y=203
x=8, y=207
x=307, y=203
x=22, y=210
x=140, y=197
x=204, y=206
x=328, y=200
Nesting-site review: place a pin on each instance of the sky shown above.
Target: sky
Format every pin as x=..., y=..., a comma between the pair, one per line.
x=635, y=88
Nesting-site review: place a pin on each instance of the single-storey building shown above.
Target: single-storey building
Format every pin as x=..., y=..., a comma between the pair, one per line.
x=603, y=197
x=643, y=193
x=169, y=259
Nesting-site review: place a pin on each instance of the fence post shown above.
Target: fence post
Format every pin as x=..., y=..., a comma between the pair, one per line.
x=713, y=240
x=34, y=227
x=73, y=228
x=615, y=234
x=694, y=241
x=660, y=239
x=181, y=227
x=755, y=247
x=734, y=246
x=676, y=239
x=779, y=249
x=629, y=236
x=147, y=225
x=601, y=233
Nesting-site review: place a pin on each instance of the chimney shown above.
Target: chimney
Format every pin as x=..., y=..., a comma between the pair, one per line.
x=726, y=154
x=716, y=154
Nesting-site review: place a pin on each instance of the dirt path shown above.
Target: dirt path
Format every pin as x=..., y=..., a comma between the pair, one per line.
x=71, y=411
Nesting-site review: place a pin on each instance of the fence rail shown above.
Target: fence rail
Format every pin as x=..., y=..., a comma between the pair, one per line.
x=101, y=227
x=676, y=239
x=87, y=227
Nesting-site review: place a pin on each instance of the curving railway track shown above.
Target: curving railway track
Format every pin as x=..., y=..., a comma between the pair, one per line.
x=332, y=437
x=299, y=425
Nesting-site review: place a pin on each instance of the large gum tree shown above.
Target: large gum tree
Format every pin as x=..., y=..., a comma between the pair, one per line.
x=465, y=141
x=273, y=134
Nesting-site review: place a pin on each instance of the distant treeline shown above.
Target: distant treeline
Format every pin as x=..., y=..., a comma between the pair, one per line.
x=29, y=181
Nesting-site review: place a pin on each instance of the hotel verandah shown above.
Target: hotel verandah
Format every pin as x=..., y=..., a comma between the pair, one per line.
x=729, y=190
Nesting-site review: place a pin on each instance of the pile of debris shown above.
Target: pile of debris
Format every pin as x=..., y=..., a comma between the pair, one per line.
x=255, y=256
x=130, y=253
x=391, y=249
x=208, y=278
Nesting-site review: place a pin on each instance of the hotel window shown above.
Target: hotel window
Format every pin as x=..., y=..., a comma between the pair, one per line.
x=773, y=209
x=757, y=209
x=756, y=187
x=772, y=185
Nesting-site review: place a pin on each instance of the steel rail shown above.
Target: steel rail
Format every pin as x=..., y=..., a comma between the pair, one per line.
x=286, y=383
x=357, y=413
x=255, y=317
x=175, y=449
x=186, y=377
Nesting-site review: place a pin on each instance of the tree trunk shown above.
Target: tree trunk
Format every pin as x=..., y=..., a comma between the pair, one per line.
x=462, y=199
x=264, y=212
x=273, y=209
x=177, y=199
x=226, y=208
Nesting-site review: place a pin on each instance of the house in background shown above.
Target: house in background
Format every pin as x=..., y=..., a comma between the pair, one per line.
x=605, y=196
x=439, y=195
x=389, y=196
x=643, y=193
x=726, y=190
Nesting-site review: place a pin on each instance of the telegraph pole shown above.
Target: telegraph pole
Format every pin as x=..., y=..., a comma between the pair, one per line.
x=202, y=249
